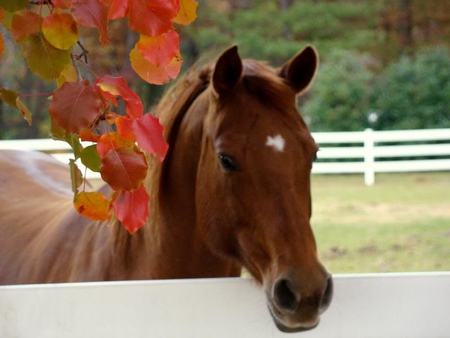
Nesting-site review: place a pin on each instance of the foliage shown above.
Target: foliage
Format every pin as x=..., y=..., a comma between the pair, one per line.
x=339, y=99
x=414, y=92
x=83, y=107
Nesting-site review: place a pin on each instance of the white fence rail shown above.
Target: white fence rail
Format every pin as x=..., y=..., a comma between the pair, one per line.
x=367, y=152
x=364, y=306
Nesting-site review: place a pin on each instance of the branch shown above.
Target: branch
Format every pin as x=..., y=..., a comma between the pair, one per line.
x=40, y=2
x=75, y=65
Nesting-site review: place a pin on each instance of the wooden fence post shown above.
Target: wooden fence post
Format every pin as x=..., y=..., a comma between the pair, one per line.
x=369, y=157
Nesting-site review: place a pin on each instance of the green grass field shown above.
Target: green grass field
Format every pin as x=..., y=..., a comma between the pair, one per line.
x=402, y=223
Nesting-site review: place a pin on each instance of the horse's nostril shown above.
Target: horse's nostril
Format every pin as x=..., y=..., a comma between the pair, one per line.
x=327, y=295
x=285, y=296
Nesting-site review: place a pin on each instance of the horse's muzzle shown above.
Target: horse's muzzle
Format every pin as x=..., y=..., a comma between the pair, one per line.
x=292, y=312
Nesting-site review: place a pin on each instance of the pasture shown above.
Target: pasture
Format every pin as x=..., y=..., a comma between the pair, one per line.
x=402, y=223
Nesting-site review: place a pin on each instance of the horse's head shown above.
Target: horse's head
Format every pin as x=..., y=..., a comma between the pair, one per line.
x=253, y=183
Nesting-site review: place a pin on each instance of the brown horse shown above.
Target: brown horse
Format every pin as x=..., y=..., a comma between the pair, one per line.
x=234, y=191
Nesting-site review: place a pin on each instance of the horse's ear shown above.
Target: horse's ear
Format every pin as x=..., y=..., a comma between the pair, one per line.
x=227, y=72
x=299, y=72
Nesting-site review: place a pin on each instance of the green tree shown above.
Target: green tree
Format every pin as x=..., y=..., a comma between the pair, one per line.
x=414, y=92
x=340, y=97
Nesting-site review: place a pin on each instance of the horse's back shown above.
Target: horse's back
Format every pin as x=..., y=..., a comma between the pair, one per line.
x=35, y=192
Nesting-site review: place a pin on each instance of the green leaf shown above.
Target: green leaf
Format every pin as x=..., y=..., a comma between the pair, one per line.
x=90, y=158
x=44, y=59
x=13, y=5
x=76, y=176
x=12, y=98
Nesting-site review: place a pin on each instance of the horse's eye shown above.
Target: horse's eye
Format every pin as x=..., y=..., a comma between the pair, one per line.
x=227, y=163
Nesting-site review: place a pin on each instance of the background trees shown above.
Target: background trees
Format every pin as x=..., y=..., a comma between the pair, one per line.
x=371, y=50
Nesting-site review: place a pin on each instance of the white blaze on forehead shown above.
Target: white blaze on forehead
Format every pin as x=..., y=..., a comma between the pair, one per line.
x=276, y=142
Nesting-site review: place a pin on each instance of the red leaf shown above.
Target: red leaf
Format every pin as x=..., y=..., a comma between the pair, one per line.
x=75, y=105
x=159, y=50
x=110, y=141
x=63, y=4
x=117, y=86
x=152, y=18
x=92, y=13
x=131, y=208
x=116, y=8
x=124, y=168
x=125, y=128
x=149, y=135
x=88, y=135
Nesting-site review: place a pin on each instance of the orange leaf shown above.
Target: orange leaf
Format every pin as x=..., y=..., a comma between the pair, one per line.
x=60, y=30
x=187, y=12
x=24, y=24
x=110, y=141
x=154, y=74
x=124, y=168
x=117, y=86
x=125, y=128
x=131, y=208
x=159, y=50
x=152, y=18
x=75, y=105
x=92, y=205
x=149, y=135
x=92, y=13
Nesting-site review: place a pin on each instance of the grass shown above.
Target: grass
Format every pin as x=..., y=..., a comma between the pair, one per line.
x=402, y=223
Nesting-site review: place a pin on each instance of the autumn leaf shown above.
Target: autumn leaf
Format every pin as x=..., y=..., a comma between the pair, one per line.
x=123, y=168
x=13, y=5
x=109, y=141
x=60, y=30
x=63, y=4
x=75, y=105
x=68, y=74
x=24, y=24
x=149, y=135
x=2, y=45
x=187, y=12
x=159, y=50
x=44, y=59
x=124, y=126
x=131, y=208
x=92, y=205
x=90, y=158
x=116, y=8
x=154, y=74
x=92, y=13
x=152, y=18
x=13, y=99
x=117, y=86
x=76, y=176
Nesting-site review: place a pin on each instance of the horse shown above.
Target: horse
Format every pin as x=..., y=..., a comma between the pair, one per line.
x=232, y=193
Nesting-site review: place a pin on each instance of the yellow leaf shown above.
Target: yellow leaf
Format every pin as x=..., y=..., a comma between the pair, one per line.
x=92, y=205
x=69, y=74
x=26, y=113
x=60, y=30
x=43, y=58
x=187, y=12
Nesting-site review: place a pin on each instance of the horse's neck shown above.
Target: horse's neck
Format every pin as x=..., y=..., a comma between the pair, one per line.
x=178, y=250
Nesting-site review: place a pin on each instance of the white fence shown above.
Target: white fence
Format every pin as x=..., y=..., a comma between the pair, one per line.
x=371, y=151
x=367, y=152
x=364, y=306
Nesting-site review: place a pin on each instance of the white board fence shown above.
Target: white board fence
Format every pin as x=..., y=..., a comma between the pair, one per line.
x=364, y=306
x=367, y=152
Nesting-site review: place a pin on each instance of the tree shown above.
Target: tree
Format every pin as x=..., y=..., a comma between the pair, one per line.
x=83, y=107
x=340, y=97
x=414, y=93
